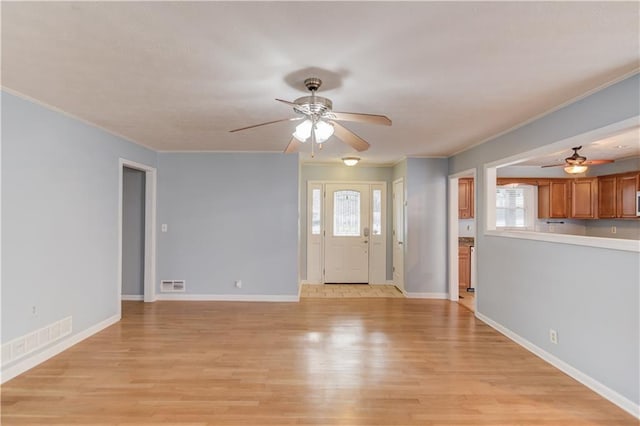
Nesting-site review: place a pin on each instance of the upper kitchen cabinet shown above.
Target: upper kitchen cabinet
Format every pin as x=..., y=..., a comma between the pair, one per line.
x=617, y=195
x=607, y=196
x=627, y=187
x=554, y=199
x=584, y=198
x=465, y=198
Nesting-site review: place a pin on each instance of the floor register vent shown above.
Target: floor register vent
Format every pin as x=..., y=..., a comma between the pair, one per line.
x=24, y=345
x=173, y=286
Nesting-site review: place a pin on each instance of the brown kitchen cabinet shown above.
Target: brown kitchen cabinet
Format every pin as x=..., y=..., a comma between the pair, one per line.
x=554, y=199
x=465, y=198
x=607, y=196
x=627, y=187
x=617, y=195
x=584, y=198
x=464, y=266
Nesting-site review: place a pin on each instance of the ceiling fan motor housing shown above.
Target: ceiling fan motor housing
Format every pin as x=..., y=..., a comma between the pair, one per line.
x=312, y=105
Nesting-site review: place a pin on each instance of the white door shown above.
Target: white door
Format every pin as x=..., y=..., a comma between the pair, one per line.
x=398, y=233
x=346, y=248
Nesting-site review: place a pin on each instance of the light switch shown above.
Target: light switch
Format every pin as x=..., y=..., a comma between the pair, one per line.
x=164, y=227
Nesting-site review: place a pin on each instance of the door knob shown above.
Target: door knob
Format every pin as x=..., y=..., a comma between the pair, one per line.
x=366, y=241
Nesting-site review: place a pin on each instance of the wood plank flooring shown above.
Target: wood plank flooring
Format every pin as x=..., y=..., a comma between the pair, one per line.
x=317, y=362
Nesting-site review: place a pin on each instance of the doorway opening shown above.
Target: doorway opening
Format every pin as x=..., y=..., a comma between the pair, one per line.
x=136, y=232
x=462, y=239
x=346, y=232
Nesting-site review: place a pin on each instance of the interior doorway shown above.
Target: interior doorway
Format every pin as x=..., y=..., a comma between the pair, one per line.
x=136, y=215
x=133, y=226
x=398, y=233
x=462, y=239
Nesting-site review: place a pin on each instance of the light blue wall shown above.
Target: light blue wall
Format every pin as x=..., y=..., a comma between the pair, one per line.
x=133, y=229
x=589, y=295
x=60, y=190
x=230, y=217
x=340, y=172
x=425, y=256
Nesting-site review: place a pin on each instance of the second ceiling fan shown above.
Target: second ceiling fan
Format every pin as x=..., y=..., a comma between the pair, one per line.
x=320, y=122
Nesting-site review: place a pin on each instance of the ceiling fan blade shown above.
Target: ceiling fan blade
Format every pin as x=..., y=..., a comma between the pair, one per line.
x=596, y=162
x=555, y=165
x=360, y=118
x=286, y=102
x=350, y=138
x=293, y=146
x=264, y=124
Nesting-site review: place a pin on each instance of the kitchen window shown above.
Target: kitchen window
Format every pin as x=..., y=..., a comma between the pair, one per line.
x=515, y=207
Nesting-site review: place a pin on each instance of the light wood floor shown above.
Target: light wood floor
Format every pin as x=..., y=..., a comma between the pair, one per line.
x=317, y=362
x=349, y=291
x=467, y=299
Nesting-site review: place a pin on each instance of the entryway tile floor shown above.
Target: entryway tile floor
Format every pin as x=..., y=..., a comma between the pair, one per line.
x=337, y=291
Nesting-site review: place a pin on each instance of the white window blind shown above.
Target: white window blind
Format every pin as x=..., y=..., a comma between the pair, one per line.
x=514, y=206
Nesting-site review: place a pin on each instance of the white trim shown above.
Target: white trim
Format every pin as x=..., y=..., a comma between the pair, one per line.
x=230, y=297
x=150, y=229
x=411, y=295
x=132, y=297
x=40, y=357
x=604, y=391
x=578, y=240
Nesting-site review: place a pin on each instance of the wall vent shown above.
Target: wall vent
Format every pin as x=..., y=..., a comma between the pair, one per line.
x=24, y=345
x=173, y=286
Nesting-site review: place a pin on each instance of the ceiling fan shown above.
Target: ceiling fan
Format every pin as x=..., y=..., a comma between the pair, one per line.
x=577, y=163
x=320, y=122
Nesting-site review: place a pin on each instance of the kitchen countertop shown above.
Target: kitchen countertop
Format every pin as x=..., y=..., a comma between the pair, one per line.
x=466, y=241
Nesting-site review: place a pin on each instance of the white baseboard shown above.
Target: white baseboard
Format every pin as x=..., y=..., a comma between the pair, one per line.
x=229, y=297
x=39, y=357
x=604, y=391
x=426, y=295
x=134, y=297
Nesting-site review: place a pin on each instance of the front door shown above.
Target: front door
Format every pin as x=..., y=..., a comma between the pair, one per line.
x=346, y=249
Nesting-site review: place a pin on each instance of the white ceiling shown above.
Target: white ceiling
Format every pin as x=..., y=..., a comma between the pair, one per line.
x=177, y=76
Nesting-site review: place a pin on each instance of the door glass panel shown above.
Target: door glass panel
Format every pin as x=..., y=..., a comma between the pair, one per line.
x=315, y=212
x=346, y=214
x=377, y=212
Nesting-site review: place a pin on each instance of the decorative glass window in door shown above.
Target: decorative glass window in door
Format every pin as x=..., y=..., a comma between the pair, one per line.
x=315, y=212
x=376, y=226
x=346, y=214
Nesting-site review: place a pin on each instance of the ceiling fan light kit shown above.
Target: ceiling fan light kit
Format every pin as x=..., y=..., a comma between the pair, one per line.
x=350, y=161
x=323, y=131
x=321, y=122
x=577, y=163
x=575, y=169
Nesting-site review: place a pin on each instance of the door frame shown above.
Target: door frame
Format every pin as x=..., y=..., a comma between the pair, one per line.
x=320, y=258
x=149, y=231
x=453, y=231
x=400, y=285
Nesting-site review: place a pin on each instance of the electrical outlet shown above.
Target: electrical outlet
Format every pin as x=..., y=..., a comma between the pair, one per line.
x=164, y=227
x=239, y=283
x=552, y=228
x=613, y=230
x=553, y=336
x=34, y=311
